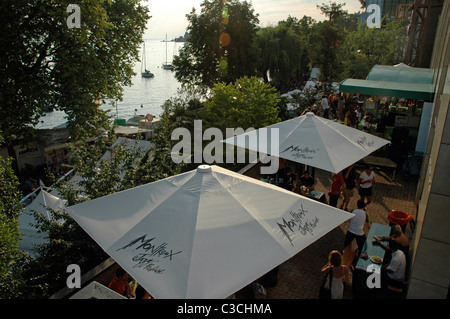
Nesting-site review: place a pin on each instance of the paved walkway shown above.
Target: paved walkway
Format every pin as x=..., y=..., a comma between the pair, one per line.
x=300, y=276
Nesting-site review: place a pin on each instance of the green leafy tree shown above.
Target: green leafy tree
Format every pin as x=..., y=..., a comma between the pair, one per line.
x=301, y=27
x=10, y=210
x=332, y=10
x=366, y=47
x=283, y=53
x=248, y=102
x=221, y=44
x=326, y=39
x=45, y=63
x=324, y=50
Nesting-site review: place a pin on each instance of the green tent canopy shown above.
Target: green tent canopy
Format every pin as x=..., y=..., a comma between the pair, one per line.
x=394, y=81
x=401, y=74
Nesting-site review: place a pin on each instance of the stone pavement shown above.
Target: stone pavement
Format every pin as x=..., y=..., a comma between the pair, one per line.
x=300, y=277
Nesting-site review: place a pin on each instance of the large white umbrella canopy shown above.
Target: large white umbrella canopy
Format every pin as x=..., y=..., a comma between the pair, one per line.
x=311, y=140
x=205, y=233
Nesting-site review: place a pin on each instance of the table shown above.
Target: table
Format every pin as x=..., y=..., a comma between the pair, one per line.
x=370, y=248
x=377, y=161
x=365, y=267
x=315, y=195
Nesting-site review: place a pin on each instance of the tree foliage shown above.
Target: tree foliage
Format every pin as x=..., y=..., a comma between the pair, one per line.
x=325, y=50
x=246, y=103
x=10, y=210
x=332, y=10
x=327, y=40
x=221, y=46
x=283, y=53
x=365, y=47
x=44, y=63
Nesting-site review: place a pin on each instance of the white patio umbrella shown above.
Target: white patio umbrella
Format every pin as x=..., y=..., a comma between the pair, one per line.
x=311, y=140
x=205, y=233
x=31, y=235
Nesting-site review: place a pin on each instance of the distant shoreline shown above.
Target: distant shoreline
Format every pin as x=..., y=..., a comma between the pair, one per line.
x=164, y=40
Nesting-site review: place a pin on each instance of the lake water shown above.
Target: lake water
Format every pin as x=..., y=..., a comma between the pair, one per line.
x=151, y=93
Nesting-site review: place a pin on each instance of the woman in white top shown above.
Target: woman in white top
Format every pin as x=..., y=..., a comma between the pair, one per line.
x=366, y=180
x=340, y=274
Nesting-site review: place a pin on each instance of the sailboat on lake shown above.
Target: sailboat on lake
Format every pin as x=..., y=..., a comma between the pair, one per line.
x=166, y=65
x=146, y=73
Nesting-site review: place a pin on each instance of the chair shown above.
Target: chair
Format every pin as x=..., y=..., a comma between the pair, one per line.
x=397, y=291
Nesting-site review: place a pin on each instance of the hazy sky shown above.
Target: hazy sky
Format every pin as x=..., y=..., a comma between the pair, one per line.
x=169, y=16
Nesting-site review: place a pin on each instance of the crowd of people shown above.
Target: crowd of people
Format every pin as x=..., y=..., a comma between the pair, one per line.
x=335, y=106
x=393, y=273
x=348, y=111
x=344, y=186
x=343, y=183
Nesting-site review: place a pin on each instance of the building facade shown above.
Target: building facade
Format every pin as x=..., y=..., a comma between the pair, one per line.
x=430, y=274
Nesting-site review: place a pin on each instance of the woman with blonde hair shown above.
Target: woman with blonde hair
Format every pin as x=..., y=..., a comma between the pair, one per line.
x=340, y=274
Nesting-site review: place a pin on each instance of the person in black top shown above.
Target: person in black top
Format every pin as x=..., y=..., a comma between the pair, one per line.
x=305, y=180
x=350, y=181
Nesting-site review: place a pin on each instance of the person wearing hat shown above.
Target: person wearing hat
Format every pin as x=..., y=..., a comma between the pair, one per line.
x=356, y=226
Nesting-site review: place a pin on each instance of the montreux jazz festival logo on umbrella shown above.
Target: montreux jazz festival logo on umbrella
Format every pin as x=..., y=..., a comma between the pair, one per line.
x=149, y=253
x=298, y=223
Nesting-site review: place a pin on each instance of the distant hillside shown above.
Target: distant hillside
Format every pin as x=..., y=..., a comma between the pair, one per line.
x=182, y=38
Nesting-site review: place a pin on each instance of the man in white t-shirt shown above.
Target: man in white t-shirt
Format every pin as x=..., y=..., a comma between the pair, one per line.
x=395, y=271
x=366, y=180
x=356, y=226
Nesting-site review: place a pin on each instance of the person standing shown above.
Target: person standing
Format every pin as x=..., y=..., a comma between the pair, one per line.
x=325, y=106
x=366, y=180
x=337, y=186
x=119, y=283
x=356, y=226
x=367, y=124
x=340, y=274
x=350, y=185
x=330, y=102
